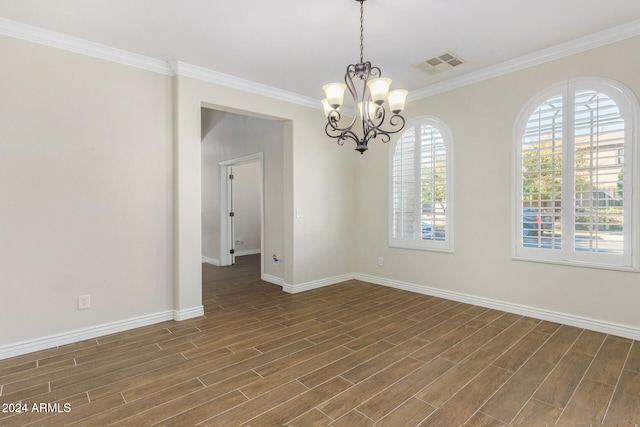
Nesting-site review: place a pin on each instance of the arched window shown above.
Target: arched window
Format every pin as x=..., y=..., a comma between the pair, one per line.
x=421, y=187
x=575, y=170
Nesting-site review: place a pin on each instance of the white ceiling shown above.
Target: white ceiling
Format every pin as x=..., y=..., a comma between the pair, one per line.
x=298, y=45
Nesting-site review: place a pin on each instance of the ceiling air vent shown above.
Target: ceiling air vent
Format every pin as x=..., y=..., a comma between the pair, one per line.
x=440, y=63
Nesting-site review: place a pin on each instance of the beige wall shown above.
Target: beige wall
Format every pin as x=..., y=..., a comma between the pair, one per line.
x=482, y=118
x=86, y=193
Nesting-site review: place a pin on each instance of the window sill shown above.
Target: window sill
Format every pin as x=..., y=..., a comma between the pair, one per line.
x=579, y=264
x=421, y=248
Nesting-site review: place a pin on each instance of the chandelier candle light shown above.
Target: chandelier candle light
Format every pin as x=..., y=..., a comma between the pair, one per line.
x=374, y=93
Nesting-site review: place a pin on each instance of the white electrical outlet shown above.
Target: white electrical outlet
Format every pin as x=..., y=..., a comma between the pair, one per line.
x=380, y=261
x=84, y=302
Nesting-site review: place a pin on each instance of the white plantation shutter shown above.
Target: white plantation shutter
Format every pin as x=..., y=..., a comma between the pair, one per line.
x=421, y=172
x=433, y=169
x=541, y=160
x=574, y=201
x=598, y=171
x=404, y=185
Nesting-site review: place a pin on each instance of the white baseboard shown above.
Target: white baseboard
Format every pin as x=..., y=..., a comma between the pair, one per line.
x=293, y=289
x=537, y=313
x=57, y=340
x=247, y=252
x=64, y=338
x=216, y=262
x=273, y=279
x=211, y=261
x=189, y=313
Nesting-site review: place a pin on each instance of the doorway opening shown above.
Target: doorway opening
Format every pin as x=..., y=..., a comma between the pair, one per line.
x=241, y=209
x=243, y=216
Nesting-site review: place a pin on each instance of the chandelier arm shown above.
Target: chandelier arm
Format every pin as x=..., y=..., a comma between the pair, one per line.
x=378, y=117
x=396, y=121
x=351, y=87
x=333, y=119
x=341, y=136
x=367, y=74
x=364, y=106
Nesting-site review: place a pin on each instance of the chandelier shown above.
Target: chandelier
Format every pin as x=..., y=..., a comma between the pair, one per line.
x=370, y=114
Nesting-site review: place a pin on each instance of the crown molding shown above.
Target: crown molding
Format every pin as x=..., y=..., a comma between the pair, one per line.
x=582, y=44
x=33, y=34
x=73, y=44
x=200, y=73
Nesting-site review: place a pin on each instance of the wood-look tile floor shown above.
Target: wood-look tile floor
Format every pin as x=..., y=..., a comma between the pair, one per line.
x=352, y=354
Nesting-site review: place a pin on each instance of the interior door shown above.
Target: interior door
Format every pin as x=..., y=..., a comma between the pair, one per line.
x=232, y=248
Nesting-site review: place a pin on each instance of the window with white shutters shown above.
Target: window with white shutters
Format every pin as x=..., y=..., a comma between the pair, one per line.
x=575, y=173
x=421, y=182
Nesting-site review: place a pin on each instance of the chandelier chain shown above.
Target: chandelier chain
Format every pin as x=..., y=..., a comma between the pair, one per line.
x=361, y=31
